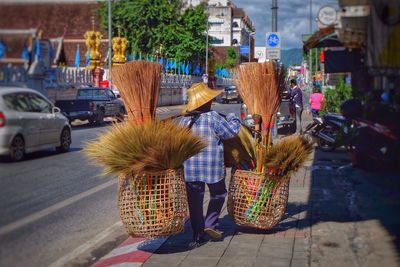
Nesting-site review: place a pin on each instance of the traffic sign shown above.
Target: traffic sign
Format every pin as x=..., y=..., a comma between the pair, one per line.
x=273, y=40
x=244, y=49
x=273, y=54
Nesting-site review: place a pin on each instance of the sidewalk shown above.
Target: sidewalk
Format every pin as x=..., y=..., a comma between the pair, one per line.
x=335, y=217
x=286, y=244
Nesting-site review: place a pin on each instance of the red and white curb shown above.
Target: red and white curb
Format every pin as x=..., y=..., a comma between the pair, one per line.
x=132, y=252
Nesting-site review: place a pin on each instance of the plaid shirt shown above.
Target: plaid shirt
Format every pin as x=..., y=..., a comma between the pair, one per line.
x=208, y=165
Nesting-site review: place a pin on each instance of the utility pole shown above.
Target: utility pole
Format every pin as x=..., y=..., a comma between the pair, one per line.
x=109, y=44
x=207, y=50
x=274, y=15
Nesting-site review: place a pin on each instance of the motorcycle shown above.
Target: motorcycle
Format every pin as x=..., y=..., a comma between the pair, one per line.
x=373, y=145
x=331, y=130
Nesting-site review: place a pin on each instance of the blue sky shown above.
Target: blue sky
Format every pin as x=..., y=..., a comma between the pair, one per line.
x=293, y=18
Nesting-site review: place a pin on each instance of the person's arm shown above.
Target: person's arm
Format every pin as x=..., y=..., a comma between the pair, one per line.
x=226, y=128
x=310, y=100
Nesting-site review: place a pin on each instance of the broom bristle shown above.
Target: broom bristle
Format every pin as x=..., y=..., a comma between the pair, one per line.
x=153, y=146
x=289, y=154
x=139, y=86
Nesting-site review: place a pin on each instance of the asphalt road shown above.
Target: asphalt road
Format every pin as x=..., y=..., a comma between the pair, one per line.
x=56, y=209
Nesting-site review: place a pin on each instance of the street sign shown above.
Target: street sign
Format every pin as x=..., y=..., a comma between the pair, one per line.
x=273, y=45
x=273, y=40
x=244, y=49
x=273, y=54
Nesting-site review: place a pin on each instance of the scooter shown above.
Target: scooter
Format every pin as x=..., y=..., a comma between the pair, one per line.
x=331, y=130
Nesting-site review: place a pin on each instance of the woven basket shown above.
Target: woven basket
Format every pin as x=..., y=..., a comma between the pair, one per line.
x=153, y=204
x=257, y=201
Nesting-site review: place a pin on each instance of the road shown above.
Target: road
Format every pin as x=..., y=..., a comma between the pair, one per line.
x=56, y=209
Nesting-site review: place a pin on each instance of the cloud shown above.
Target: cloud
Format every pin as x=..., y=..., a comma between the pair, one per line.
x=293, y=18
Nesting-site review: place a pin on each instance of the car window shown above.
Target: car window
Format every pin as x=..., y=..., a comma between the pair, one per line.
x=82, y=93
x=17, y=101
x=110, y=94
x=39, y=104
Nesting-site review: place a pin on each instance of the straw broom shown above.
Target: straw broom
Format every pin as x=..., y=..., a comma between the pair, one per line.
x=260, y=86
x=139, y=85
x=135, y=148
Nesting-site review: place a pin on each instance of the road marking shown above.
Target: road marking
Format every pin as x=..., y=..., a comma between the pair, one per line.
x=86, y=246
x=35, y=216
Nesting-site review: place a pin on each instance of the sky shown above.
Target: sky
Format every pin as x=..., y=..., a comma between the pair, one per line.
x=293, y=18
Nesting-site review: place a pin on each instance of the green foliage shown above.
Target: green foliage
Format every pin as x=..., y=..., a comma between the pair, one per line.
x=232, y=57
x=150, y=24
x=333, y=98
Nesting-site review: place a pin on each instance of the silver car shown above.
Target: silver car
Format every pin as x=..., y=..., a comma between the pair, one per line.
x=29, y=122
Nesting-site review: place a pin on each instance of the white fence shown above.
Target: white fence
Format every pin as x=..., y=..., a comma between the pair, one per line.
x=62, y=82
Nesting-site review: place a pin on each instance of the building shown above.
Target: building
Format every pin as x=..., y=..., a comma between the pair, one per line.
x=63, y=23
x=229, y=26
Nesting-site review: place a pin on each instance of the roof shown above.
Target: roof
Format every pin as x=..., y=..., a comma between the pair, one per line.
x=64, y=20
x=326, y=37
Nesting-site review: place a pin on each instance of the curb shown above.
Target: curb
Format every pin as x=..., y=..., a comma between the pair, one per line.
x=133, y=252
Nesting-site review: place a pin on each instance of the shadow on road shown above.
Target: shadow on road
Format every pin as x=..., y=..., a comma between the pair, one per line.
x=39, y=154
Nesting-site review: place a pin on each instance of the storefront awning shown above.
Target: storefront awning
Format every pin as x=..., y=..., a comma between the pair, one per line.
x=326, y=37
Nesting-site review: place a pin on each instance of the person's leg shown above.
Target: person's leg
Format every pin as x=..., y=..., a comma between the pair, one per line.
x=314, y=112
x=195, y=191
x=218, y=193
x=299, y=111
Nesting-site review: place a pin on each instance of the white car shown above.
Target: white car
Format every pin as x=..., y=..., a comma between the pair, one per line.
x=30, y=122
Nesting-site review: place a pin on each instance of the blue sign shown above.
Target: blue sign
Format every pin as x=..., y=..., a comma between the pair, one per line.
x=3, y=49
x=273, y=40
x=244, y=49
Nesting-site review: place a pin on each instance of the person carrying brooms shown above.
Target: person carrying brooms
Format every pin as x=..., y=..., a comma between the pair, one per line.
x=206, y=167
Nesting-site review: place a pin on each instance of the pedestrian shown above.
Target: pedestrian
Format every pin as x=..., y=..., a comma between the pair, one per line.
x=207, y=167
x=316, y=101
x=297, y=98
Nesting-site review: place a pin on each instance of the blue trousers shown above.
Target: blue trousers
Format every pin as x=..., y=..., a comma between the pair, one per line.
x=195, y=192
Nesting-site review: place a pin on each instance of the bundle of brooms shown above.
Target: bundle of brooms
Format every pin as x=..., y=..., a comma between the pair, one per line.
x=147, y=155
x=258, y=197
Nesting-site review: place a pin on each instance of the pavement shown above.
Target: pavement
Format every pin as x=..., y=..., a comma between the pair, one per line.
x=336, y=216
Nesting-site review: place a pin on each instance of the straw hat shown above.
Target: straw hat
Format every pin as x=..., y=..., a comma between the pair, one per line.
x=199, y=94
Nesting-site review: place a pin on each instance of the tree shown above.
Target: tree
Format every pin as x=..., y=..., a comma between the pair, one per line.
x=333, y=98
x=151, y=24
x=232, y=57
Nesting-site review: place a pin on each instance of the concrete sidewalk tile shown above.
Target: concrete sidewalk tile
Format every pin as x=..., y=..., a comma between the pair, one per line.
x=212, y=249
x=277, y=240
x=171, y=259
x=271, y=262
x=277, y=252
x=242, y=261
x=300, y=263
x=196, y=260
x=301, y=255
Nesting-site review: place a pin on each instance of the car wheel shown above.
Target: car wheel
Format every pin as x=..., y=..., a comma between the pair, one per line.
x=100, y=117
x=65, y=141
x=17, y=148
x=121, y=115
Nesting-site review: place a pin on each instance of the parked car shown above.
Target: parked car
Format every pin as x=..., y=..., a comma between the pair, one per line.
x=29, y=122
x=231, y=94
x=93, y=104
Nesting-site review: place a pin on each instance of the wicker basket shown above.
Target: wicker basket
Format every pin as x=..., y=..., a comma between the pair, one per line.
x=153, y=204
x=257, y=200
